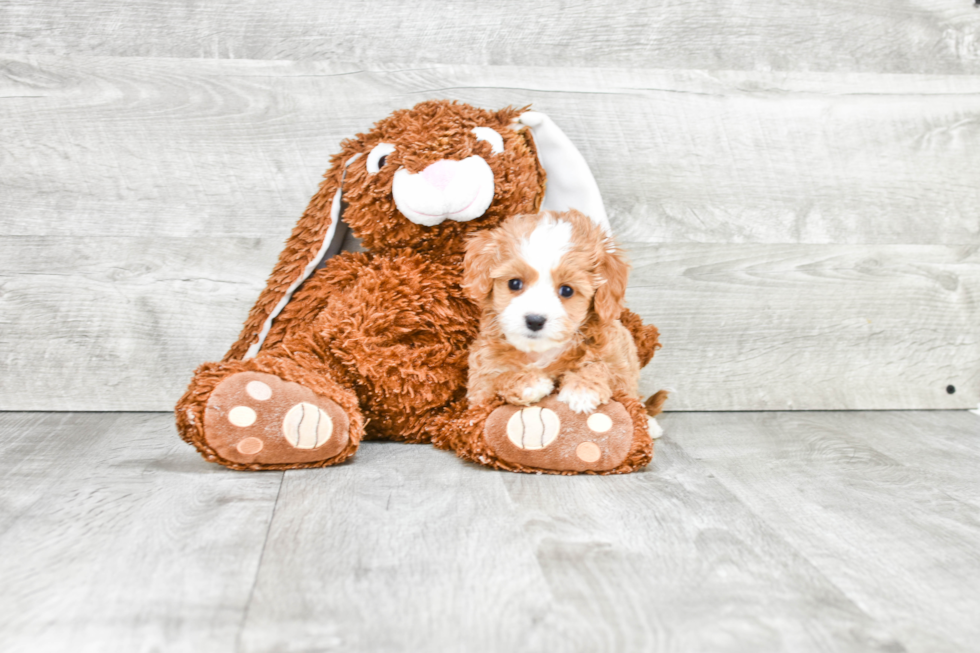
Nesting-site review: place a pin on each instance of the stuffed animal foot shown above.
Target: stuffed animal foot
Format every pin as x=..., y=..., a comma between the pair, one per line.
x=551, y=436
x=252, y=417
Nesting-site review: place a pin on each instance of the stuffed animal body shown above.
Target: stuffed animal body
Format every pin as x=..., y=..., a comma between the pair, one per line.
x=346, y=346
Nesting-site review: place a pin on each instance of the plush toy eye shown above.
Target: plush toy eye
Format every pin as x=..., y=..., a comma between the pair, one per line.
x=566, y=291
x=515, y=284
x=378, y=155
x=490, y=136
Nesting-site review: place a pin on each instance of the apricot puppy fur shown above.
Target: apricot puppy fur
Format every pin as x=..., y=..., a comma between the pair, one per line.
x=551, y=287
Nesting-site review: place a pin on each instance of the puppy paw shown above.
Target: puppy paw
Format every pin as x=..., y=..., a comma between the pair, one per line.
x=538, y=390
x=579, y=399
x=654, y=428
x=528, y=391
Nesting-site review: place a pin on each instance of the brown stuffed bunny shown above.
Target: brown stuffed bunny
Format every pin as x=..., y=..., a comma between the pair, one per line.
x=343, y=347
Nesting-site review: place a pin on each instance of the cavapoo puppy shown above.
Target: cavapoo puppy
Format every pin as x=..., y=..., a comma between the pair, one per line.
x=552, y=287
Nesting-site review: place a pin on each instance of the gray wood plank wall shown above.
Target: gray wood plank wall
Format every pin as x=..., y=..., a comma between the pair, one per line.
x=920, y=36
x=797, y=183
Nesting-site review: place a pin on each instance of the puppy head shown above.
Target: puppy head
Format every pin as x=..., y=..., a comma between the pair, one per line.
x=544, y=276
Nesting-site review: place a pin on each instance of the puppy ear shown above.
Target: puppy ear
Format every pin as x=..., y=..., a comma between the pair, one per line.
x=482, y=252
x=614, y=271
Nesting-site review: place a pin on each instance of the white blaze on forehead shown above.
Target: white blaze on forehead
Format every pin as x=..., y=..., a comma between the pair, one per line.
x=545, y=246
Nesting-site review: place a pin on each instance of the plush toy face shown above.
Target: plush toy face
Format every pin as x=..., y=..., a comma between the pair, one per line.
x=425, y=177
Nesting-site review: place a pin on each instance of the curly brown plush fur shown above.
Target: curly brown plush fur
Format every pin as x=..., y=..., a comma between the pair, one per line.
x=384, y=334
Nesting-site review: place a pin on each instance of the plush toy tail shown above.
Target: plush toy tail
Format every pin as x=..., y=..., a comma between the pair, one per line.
x=655, y=404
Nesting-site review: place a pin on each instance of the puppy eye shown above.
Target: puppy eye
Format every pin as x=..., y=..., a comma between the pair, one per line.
x=490, y=136
x=515, y=284
x=566, y=291
x=376, y=159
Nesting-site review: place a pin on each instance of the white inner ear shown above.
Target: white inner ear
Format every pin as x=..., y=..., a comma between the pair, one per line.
x=570, y=182
x=328, y=239
x=491, y=136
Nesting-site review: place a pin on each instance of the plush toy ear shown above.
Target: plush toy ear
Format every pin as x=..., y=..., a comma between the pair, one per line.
x=298, y=261
x=614, y=270
x=482, y=251
x=570, y=183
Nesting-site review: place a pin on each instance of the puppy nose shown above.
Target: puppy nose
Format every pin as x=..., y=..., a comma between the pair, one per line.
x=535, y=322
x=441, y=173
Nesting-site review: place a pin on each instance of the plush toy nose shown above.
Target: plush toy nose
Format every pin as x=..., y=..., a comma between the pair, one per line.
x=445, y=190
x=535, y=322
x=441, y=173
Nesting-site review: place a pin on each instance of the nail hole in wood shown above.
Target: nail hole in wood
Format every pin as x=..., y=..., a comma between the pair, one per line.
x=950, y=389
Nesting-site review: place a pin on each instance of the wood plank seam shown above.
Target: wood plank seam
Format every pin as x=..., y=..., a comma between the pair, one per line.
x=258, y=567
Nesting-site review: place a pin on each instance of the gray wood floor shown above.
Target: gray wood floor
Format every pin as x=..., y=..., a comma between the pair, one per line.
x=830, y=531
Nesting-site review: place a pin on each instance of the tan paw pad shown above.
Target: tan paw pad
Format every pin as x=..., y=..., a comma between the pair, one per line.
x=599, y=422
x=258, y=390
x=252, y=417
x=250, y=446
x=241, y=416
x=306, y=426
x=550, y=436
x=588, y=451
x=533, y=428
